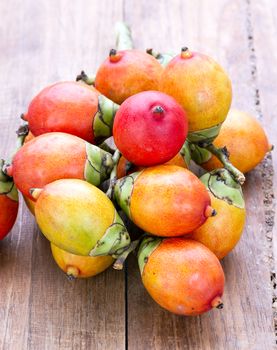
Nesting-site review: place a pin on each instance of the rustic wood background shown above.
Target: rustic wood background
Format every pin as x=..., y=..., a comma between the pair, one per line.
x=50, y=40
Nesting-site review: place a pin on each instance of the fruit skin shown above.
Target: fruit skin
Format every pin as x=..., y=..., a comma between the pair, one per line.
x=222, y=232
x=245, y=140
x=8, y=203
x=72, y=108
x=8, y=214
x=54, y=156
x=201, y=86
x=164, y=200
x=183, y=276
x=150, y=128
x=123, y=170
x=78, y=266
x=126, y=73
x=79, y=218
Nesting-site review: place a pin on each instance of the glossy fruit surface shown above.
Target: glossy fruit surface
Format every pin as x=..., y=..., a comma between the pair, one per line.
x=126, y=73
x=182, y=276
x=54, y=156
x=125, y=168
x=222, y=232
x=66, y=107
x=201, y=86
x=8, y=203
x=77, y=266
x=164, y=200
x=150, y=128
x=245, y=140
x=75, y=215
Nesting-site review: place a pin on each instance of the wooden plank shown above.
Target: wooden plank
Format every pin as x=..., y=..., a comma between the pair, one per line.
x=218, y=28
x=262, y=29
x=43, y=42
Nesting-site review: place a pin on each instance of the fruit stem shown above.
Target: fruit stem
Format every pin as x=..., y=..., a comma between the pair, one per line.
x=124, y=40
x=118, y=264
x=72, y=272
x=210, y=211
x=85, y=78
x=106, y=147
x=217, y=303
x=113, y=177
x=223, y=155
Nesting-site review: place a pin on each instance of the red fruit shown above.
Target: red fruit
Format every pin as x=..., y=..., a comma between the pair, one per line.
x=126, y=73
x=181, y=275
x=68, y=107
x=55, y=156
x=8, y=203
x=150, y=128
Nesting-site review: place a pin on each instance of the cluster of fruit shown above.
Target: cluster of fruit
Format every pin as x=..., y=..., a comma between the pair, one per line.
x=163, y=112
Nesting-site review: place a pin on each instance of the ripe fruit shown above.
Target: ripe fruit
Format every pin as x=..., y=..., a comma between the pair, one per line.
x=150, y=128
x=165, y=200
x=8, y=203
x=221, y=233
x=79, y=218
x=181, y=275
x=181, y=159
x=54, y=156
x=77, y=266
x=202, y=88
x=245, y=140
x=72, y=108
x=126, y=73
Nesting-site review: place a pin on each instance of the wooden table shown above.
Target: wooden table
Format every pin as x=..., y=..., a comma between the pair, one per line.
x=50, y=40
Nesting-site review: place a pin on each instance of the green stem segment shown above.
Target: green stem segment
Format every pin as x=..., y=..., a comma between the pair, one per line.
x=223, y=155
x=113, y=176
x=7, y=186
x=85, y=78
x=115, y=241
x=224, y=187
x=163, y=58
x=124, y=39
x=104, y=118
x=147, y=246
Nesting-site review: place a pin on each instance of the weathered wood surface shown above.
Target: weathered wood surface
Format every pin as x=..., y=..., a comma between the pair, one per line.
x=42, y=42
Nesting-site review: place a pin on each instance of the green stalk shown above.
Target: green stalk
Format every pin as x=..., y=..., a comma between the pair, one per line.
x=223, y=155
x=85, y=78
x=113, y=177
x=124, y=40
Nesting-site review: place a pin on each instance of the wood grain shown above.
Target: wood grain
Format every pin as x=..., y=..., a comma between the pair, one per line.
x=218, y=28
x=44, y=42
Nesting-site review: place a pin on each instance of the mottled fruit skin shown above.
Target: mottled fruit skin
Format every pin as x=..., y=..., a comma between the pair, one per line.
x=168, y=200
x=67, y=107
x=146, y=137
x=8, y=214
x=80, y=266
x=245, y=140
x=47, y=158
x=201, y=86
x=73, y=214
x=127, y=73
x=222, y=232
x=123, y=169
x=183, y=276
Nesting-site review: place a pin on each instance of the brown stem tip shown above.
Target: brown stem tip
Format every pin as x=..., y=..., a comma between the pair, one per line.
x=210, y=211
x=217, y=303
x=158, y=109
x=114, y=55
x=185, y=53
